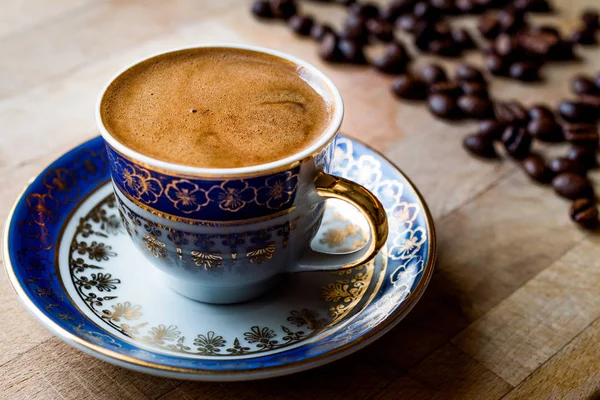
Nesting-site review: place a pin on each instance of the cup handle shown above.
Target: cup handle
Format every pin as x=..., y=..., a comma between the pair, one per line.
x=333, y=187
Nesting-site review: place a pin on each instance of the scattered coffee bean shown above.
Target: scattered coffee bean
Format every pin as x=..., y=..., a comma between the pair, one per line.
x=301, y=24
x=407, y=23
x=328, y=49
x=444, y=6
x=408, y=87
x=492, y=128
x=319, y=31
x=591, y=100
x=355, y=29
x=540, y=43
x=540, y=111
x=545, y=129
x=444, y=47
x=394, y=9
x=510, y=21
x=496, y=64
x=525, y=71
x=540, y=6
x=583, y=155
x=480, y=145
x=576, y=111
x=561, y=165
x=517, y=142
x=591, y=19
x=535, y=166
x=443, y=106
x=424, y=10
x=381, y=29
x=449, y=88
x=463, y=38
x=465, y=72
x=489, y=25
x=584, y=36
x=365, y=10
x=474, y=88
x=584, y=212
x=433, y=73
x=506, y=46
x=475, y=107
x=283, y=9
x=346, y=3
x=352, y=52
x=584, y=135
x=468, y=6
x=562, y=51
x=510, y=112
x=262, y=9
x=394, y=60
x=584, y=85
x=424, y=34
x=572, y=186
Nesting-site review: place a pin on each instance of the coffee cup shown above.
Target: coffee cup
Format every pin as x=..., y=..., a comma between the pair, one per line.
x=228, y=234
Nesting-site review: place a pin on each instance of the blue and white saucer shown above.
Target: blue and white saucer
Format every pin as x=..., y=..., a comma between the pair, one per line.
x=73, y=266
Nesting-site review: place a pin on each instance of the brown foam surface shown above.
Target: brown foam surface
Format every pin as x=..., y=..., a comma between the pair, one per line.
x=219, y=108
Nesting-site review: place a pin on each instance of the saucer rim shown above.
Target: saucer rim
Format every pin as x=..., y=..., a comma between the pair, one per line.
x=225, y=375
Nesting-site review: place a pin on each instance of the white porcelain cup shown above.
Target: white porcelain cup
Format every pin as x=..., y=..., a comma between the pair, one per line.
x=226, y=235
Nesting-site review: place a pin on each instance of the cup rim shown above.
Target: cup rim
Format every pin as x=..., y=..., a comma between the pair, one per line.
x=324, y=139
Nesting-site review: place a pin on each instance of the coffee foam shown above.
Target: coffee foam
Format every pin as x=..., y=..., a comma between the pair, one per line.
x=215, y=107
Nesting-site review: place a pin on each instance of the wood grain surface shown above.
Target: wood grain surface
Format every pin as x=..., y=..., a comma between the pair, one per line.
x=513, y=309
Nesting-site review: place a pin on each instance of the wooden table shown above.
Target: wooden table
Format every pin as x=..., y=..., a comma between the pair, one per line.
x=513, y=309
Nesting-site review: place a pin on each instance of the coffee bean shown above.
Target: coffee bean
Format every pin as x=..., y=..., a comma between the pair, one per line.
x=545, y=129
x=480, y=145
x=463, y=38
x=584, y=36
x=301, y=24
x=283, y=9
x=355, y=29
x=492, y=128
x=474, y=88
x=328, y=49
x=496, y=64
x=541, y=6
x=468, y=6
x=408, y=87
x=584, y=212
x=486, y=4
x=562, y=51
x=365, y=10
x=381, y=29
x=584, y=135
x=346, y=3
x=584, y=85
x=488, y=25
x=424, y=10
x=510, y=112
x=447, y=7
x=517, y=142
x=395, y=9
x=352, y=52
x=475, y=107
x=443, y=106
x=319, y=31
x=591, y=100
x=576, y=111
x=394, y=60
x=449, y=88
x=539, y=111
x=535, y=166
x=525, y=71
x=572, y=186
x=465, y=72
x=583, y=155
x=510, y=21
x=445, y=48
x=506, y=46
x=538, y=43
x=407, y=23
x=423, y=34
x=433, y=73
x=262, y=9
x=591, y=19
x=561, y=165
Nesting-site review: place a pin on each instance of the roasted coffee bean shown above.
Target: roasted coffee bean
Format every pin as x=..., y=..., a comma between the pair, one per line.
x=492, y=128
x=381, y=29
x=488, y=25
x=352, y=52
x=443, y=106
x=301, y=24
x=395, y=9
x=510, y=112
x=345, y=2
x=355, y=29
x=591, y=19
x=446, y=7
x=424, y=10
x=525, y=71
x=496, y=64
x=442, y=30
x=576, y=111
x=283, y=9
x=394, y=60
x=517, y=141
x=262, y=9
x=444, y=47
x=541, y=6
x=535, y=166
x=510, y=21
x=583, y=155
x=545, y=129
x=433, y=73
x=584, y=36
x=480, y=145
x=486, y=4
x=465, y=72
x=319, y=31
x=467, y=6
x=584, y=85
x=572, y=186
x=365, y=10
x=328, y=49
x=463, y=38
x=591, y=100
x=423, y=35
x=537, y=43
x=407, y=23
x=562, y=51
x=584, y=135
x=506, y=46
x=540, y=111
x=561, y=165
x=584, y=212
x=474, y=88
x=408, y=87
x=449, y=88
x=476, y=107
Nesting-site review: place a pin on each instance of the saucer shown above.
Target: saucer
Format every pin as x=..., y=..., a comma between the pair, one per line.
x=73, y=266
